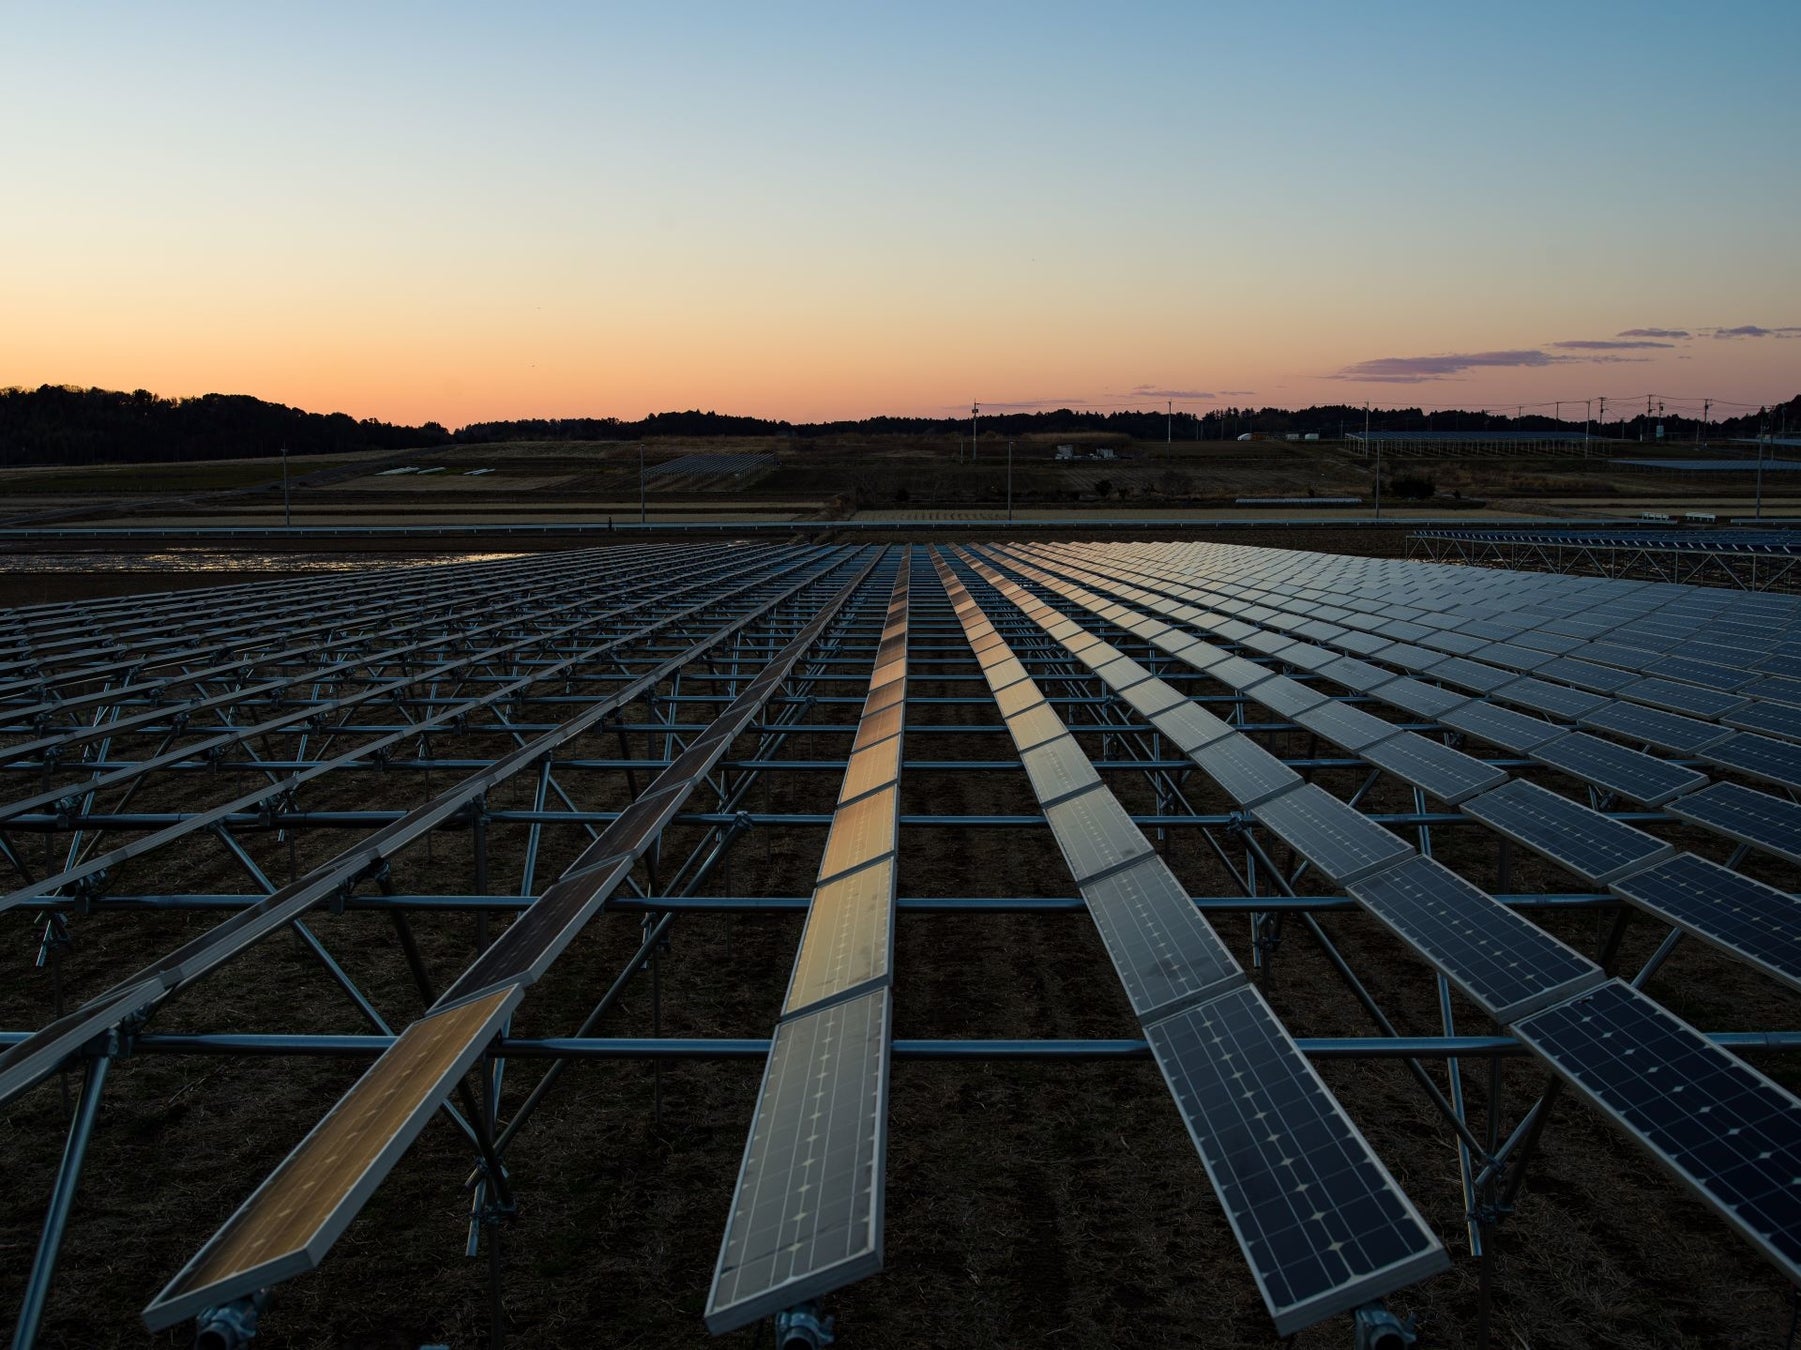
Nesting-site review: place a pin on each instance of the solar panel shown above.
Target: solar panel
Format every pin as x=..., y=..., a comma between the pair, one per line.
x=1554, y=643
x=1759, y=756
x=872, y=767
x=1095, y=833
x=1152, y=697
x=1511, y=657
x=1752, y=817
x=1421, y=699
x=1728, y=1132
x=1501, y=961
x=1344, y=725
x=1409, y=657
x=1322, y=1224
x=1286, y=697
x=1571, y=835
x=1653, y=726
x=1270, y=644
x=807, y=1213
x=861, y=830
x=1239, y=673
x=1643, y=778
x=537, y=937
x=1458, y=644
x=1059, y=769
x=1016, y=698
x=849, y=939
x=1363, y=644
x=879, y=726
x=1770, y=718
x=1357, y=676
x=1164, y=951
x=1190, y=726
x=1307, y=655
x=1683, y=698
x=1248, y=773
x=1341, y=842
x=1500, y=726
x=290, y=1221
x=1121, y=672
x=1755, y=922
x=1035, y=726
x=1450, y=775
x=1557, y=700
x=1708, y=673
x=1774, y=688
x=1586, y=675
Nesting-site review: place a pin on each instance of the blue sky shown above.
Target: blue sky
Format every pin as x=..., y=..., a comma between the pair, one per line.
x=809, y=210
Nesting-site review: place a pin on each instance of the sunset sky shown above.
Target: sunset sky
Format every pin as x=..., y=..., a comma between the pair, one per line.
x=463, y=212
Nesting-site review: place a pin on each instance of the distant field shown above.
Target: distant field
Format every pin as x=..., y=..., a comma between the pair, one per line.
x=868, y=478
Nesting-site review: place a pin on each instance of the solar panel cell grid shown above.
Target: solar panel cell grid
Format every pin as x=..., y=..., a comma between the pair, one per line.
x=1501, y=961
x=1248, y=773
x=1164, y=952
x=848, y=941
x=1614, y=768
x=807, y=1211
x=1339, y=841
x=1724, y=1129
x=1320, y=1221
x=1059, y=769
x=1450, y=775
x=1591, y=845
x=1346, y=726
x=1742, y=813
x=1095, y=833
x=1754, y=922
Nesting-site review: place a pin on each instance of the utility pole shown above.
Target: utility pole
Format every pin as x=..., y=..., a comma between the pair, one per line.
x=1706, y=407
x=1647, y=426
x=1603, y=418
x=287, y=506
x=974, y=408
x=1762, y=441
x=1366, y=446
x=1009, y=482
x=1588, y=417
x=641, y=506
x=1169, y=411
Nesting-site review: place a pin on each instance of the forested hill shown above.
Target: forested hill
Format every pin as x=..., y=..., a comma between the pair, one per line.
x=56, y=425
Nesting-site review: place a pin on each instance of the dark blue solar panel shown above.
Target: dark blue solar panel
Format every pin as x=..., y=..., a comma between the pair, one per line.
x=1504, y=963
x=1728, y=1132
x=1322, y=1224
x=1571, y=835
x=1759, y=756
x=1747, y=918
x=1643, y=778
x=1741, y=813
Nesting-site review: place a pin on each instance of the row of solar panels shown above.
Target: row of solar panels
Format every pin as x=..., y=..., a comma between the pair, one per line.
x=1762, y=925
x=1751, y=1174
x=712, y=465
x=651, y=617
x=564, y=610
x=1775, y=543
x=289, y=1222
x=1322, y=1224
x=112, y=638
x=806, y=1214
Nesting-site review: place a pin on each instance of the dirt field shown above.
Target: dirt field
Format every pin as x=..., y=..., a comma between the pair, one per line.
x=1028, y=1204
x=897, y=477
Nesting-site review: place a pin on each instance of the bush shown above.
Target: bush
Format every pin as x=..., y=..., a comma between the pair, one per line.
x=1414, y=487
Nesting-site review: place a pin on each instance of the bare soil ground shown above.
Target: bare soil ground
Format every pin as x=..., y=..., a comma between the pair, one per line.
x=1028, y=1204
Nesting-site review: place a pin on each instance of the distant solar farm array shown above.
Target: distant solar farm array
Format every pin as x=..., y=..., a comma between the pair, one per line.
x=703, y=466
x=1345, y=733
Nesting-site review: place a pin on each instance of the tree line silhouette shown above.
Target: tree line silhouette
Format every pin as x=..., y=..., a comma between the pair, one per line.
x=58, y=425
